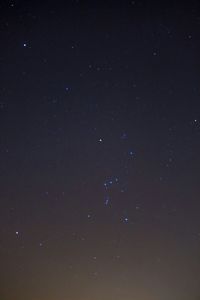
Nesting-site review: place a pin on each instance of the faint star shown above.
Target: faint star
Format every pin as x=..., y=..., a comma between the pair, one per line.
x=107, y=200
x=124, y=136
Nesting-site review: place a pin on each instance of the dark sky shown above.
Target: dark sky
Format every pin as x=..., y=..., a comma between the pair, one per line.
x=99, y=150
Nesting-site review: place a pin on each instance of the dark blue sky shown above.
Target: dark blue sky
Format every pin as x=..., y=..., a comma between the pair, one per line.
x=99, y=150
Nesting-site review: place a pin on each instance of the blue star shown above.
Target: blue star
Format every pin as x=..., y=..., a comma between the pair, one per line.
x=125, y=220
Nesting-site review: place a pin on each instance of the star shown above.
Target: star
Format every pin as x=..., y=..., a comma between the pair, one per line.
x=107, y=200
x=124, y=136
x=125, y=219
x=95, y=274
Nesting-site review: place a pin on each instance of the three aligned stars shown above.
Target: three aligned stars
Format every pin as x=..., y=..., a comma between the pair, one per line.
x=113, y=182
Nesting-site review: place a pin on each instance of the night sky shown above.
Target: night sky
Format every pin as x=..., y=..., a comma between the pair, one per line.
x=99, y=150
